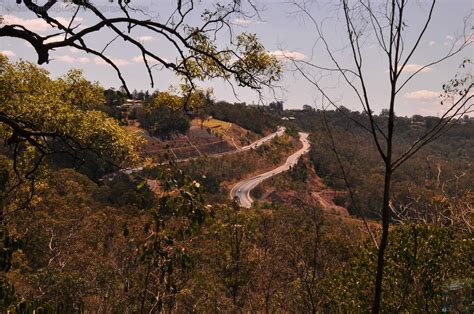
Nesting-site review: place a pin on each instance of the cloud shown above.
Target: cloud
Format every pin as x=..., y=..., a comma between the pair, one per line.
x=448, y=40
x=242, y=21
x=145, y=38
x=431, y=43
x=54, y=39
x=412, y=67
x=285, y=54
x=71, y=59
x=139, y=59
x=30, y=24
x=83, y=60
x=7, y=53
x=118, y=62
x=67, y=59
x=37, y=24
x=423, y=95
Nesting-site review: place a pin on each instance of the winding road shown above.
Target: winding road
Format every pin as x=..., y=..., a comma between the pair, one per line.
x=263, y=140
x=254, y=145
x=242, y=189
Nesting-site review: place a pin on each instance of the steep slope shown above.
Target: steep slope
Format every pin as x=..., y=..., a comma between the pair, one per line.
x=301, y=185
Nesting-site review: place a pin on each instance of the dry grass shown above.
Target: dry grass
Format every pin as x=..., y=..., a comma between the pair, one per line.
x=217, y=126
x=231, y=132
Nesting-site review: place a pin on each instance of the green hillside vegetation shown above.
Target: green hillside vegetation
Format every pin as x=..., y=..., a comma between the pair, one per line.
x=66, y=116
x=162, y=117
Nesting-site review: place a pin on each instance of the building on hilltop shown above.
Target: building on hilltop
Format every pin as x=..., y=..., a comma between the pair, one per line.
x=131, y=104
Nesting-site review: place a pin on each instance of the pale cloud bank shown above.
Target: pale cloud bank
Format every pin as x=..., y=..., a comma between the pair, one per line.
x=118, y=62
x=448, y=40
x=54, y=39
x=83, y=60
x=291, y=55
x=72, y=59
x=98, y=61
x=412, y=67
x=30, y=24
x=423, y=95
x=145, y=38
x=36, y=24
x=139, y=59
x=242, y=21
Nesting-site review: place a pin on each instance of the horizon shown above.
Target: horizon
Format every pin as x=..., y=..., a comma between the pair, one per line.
x=285, y=33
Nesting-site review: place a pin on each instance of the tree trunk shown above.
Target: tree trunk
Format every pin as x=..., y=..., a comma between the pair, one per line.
x=383, y=241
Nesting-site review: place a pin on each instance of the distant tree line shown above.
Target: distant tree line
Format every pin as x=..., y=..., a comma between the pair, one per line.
x=438, y=170
x=254, y=118
x=162, y=115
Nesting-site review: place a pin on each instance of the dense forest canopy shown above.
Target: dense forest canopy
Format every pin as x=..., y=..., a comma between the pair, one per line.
x=254, y=118
x=43, y=116
x=162, y=116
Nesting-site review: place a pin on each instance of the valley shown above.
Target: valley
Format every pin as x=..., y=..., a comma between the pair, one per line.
x=242, y=190
x=228, y=156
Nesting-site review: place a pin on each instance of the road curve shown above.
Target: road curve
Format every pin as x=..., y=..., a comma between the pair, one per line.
x=254, y=145
x=242, y=189
x=263, y=140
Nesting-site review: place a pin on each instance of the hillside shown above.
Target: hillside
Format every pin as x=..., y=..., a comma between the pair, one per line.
x=439, y=171
x=218, y=175
x=301, y=185
x=231, y=156
x=203, y=139
x=230, y=132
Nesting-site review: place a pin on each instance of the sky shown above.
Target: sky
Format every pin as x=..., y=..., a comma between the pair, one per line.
x=286, y=32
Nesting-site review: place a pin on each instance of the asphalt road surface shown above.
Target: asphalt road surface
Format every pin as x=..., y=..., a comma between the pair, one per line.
x=263, y=140
x=254, y=145
x=242, y=189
